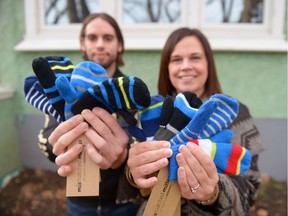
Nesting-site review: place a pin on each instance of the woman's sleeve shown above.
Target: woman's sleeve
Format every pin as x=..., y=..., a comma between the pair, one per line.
x=247, y=135
x=49, y=126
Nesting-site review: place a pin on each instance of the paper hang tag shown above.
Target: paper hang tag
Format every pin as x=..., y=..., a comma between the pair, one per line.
x=85, y=178
x=165, y=198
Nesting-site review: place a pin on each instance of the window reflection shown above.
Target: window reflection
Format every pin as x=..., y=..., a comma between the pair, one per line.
x=234, y=11
x=151, y=11
x=63, y=12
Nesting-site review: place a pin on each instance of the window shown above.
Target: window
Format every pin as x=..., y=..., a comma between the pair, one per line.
x=229, y=24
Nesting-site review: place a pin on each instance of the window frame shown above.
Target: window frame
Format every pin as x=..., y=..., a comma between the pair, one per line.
x=268, y=36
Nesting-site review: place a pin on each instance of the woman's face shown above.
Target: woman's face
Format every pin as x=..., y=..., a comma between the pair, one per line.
x=188, y=67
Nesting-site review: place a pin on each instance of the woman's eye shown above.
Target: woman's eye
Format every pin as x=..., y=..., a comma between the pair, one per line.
x=176, y=60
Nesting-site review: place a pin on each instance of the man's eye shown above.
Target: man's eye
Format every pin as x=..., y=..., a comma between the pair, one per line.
x=91, y=37
x=108, y=38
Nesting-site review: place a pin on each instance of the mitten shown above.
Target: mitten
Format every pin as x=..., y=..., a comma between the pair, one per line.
x=36, y=97
x=116, y=94
x=149, y=119
x=85, y=75
x=185, y=107
x=47, y=70
x=230, y=159
x=215, y=115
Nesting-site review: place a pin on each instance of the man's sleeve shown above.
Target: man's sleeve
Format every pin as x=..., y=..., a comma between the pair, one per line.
x=49, y=126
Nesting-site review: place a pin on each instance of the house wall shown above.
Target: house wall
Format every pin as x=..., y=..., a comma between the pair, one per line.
x=258, y=79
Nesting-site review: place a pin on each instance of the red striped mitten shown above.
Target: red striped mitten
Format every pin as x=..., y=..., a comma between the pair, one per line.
x=230, y=159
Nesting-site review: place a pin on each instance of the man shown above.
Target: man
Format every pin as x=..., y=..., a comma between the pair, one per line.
x=102, y=42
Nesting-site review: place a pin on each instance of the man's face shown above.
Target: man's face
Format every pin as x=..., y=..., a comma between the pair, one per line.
x=101, y=45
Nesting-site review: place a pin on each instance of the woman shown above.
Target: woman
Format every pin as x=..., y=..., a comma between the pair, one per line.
x=187, y=64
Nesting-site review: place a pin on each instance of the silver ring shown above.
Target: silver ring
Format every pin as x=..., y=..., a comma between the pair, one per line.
x=194, y=189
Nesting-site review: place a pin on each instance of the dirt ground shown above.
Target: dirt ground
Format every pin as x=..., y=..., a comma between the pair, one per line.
x=42, y=192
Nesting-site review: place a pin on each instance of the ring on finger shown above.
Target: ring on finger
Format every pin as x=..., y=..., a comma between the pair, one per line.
x=194, y=189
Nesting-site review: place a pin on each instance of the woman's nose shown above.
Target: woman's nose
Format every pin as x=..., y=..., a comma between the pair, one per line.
x=186, y=64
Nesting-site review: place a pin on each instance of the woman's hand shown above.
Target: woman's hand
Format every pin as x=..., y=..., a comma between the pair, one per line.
x=197, y=173
x=108, y=147
x=145, y=159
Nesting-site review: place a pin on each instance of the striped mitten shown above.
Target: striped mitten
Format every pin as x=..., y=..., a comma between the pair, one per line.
x=35, y=96
x=122, y=94
x=185, y=107
x=215, y=115
x=149, y=119
x=85, y=75
x=230, y=159
x=222, y=117
x=210, y=121
x=61, y=66
x=47, y=70
x=225, y=135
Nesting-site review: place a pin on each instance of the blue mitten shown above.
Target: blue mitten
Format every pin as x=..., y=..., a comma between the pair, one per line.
x=149, y=119
x=230, y=159
x=225, y=136
x=85, y=75
x=215, y=115
x=185, y=107
x=47, y=70
x=196, y=125
x=122, y=94
x=224, y=115
x=34, y=95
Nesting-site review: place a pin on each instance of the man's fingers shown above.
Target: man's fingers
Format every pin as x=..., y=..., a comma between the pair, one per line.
x=64, y=171
x=69, y=155
x=65, y=127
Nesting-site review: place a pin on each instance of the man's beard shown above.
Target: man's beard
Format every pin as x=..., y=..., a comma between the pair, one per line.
x=105, y=65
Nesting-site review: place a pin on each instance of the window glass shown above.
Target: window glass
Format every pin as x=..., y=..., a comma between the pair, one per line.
x=255, y=25
x=63, y=12
x=151, y=11
x=234, y=11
